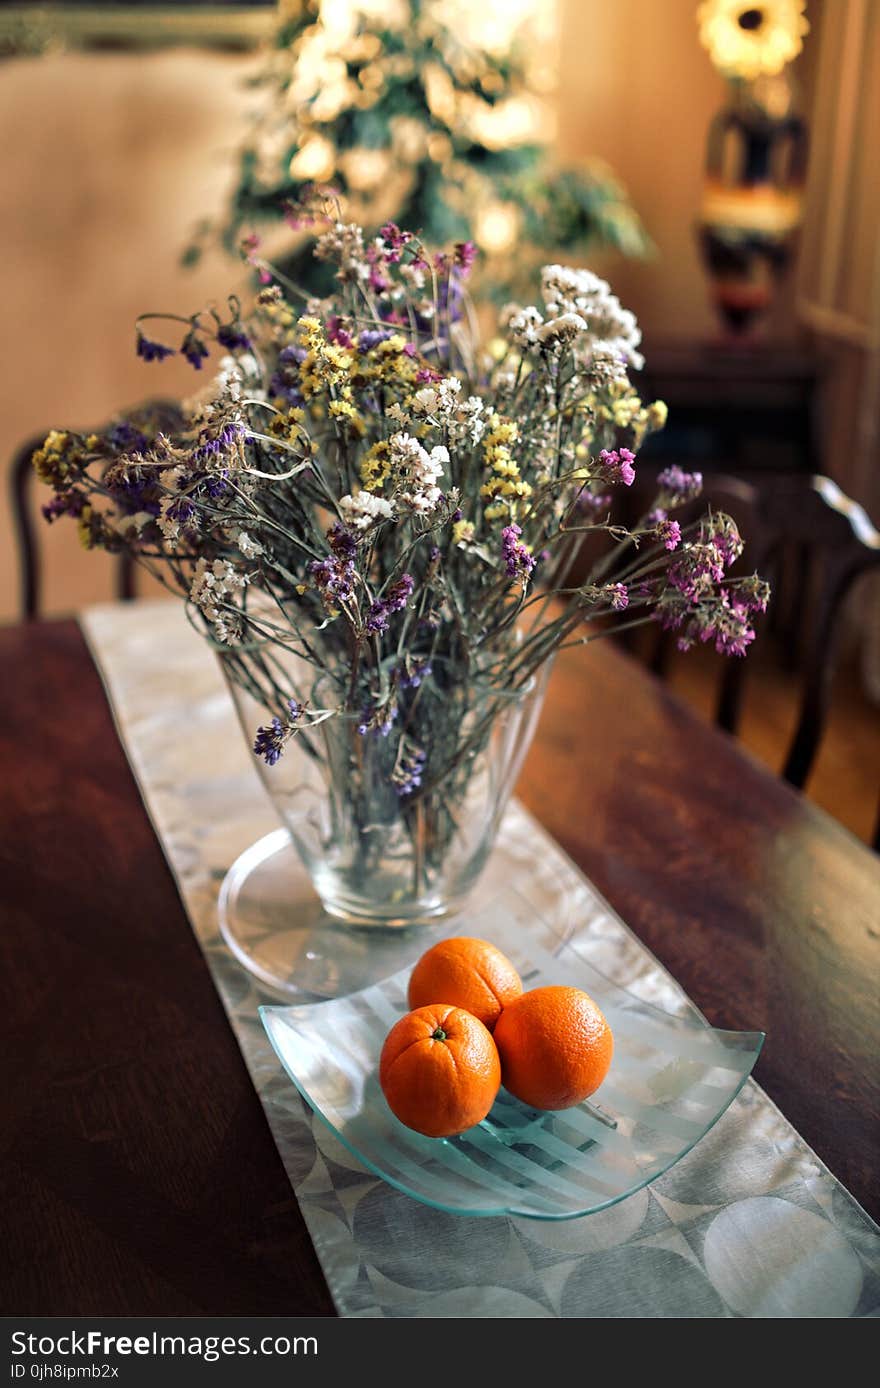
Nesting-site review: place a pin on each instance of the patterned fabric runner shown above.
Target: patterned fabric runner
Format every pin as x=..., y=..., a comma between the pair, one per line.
x=749, y=1223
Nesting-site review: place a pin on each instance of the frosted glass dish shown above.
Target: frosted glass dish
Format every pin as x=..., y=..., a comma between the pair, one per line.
x=670, y=1081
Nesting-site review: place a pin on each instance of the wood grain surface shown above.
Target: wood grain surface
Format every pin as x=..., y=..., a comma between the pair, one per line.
x=138, y=1174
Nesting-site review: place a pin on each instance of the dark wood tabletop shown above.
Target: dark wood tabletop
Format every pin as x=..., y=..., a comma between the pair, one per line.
x=138, y=1175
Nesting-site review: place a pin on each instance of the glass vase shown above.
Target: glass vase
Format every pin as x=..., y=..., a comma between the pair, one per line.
x=391, y=822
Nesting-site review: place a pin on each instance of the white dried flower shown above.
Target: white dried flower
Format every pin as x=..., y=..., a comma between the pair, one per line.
x=469, y=422
x=364, y=510
x=167, y=523
x=580, y=292
x=425, y=400
x=439, y=400
x=416, y=472
x=229, y=379
x=170, y=478
x=413, y=275
x=561, y=330
x=214, y=584
x=228, y=628
x=131, y=525
x=344, y=245
x=607, y=363
x=250, y=548
x=448, y=391
x=523, y=327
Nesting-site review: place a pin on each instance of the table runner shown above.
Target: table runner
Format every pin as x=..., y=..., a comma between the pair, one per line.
x=749, y=1223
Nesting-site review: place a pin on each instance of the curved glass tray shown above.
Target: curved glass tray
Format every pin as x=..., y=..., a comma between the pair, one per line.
x=671, y=1079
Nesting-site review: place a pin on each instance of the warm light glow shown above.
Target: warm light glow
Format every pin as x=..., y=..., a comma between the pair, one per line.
x=321, y=79
x=497, y=227
x=315, y=160
x=439, y=147
x=509, y=123
x=365, y=169
x=493, y=24
x=340, y=17
x=408, y=136
x=750, y=40
x=490, y=25
x=771, y=211
x=439, y=93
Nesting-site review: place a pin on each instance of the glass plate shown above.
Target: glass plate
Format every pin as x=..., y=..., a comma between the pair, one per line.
x=670, y=1080
x=272, y=920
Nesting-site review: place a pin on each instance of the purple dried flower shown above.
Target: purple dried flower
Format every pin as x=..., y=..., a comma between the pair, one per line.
x=371, y=337
x=216, y=483
x=382, y=609
x=271, y=737
x=379, y=281
x=668, y=532
x=617, y=595
x=152, y=351
x=518, y=558
x=465, y=255
x=233, y=337
x=210, y=446
x=394, y=241
x=407, y=775
x=182, y=510
x=732, y=631
x=341, y=541
x=336, y=333
x=194, y=349
x=617, y=465
x=70, y=504
x=269, y=741
x=334, y=579
x=378, y=718
x=413, y=671
x=125, y=438
x=754, y=592
x=724, y=535
x=676, y=486
x=592, y=502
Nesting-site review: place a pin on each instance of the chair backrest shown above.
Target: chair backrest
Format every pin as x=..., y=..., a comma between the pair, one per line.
x=812, y=542
x=837, y=543
x=151, y=416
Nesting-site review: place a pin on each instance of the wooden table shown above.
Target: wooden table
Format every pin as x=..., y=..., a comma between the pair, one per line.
x=138, y=1174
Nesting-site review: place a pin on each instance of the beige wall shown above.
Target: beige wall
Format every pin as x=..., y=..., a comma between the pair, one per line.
x=638, y=90
x=105, y=163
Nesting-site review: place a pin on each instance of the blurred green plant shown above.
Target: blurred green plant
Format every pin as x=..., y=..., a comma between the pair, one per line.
x=420, y=111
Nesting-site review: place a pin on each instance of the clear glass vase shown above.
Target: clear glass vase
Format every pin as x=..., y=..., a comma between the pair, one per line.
x=392, y=823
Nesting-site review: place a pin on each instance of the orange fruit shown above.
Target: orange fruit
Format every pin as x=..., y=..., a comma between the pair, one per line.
x=555, y=1047
x=469, y=973
x=439, y=1070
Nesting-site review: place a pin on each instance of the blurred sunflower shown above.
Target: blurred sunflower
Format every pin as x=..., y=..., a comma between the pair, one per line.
x=752, y=40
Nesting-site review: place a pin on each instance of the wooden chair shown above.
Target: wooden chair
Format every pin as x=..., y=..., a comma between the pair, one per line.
x=813, y=543
x=151, y=416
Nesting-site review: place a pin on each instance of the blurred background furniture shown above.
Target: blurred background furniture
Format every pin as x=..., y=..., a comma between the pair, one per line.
x=750, y=411
x=29, y=561
x=152, y=415
x=813, y=543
